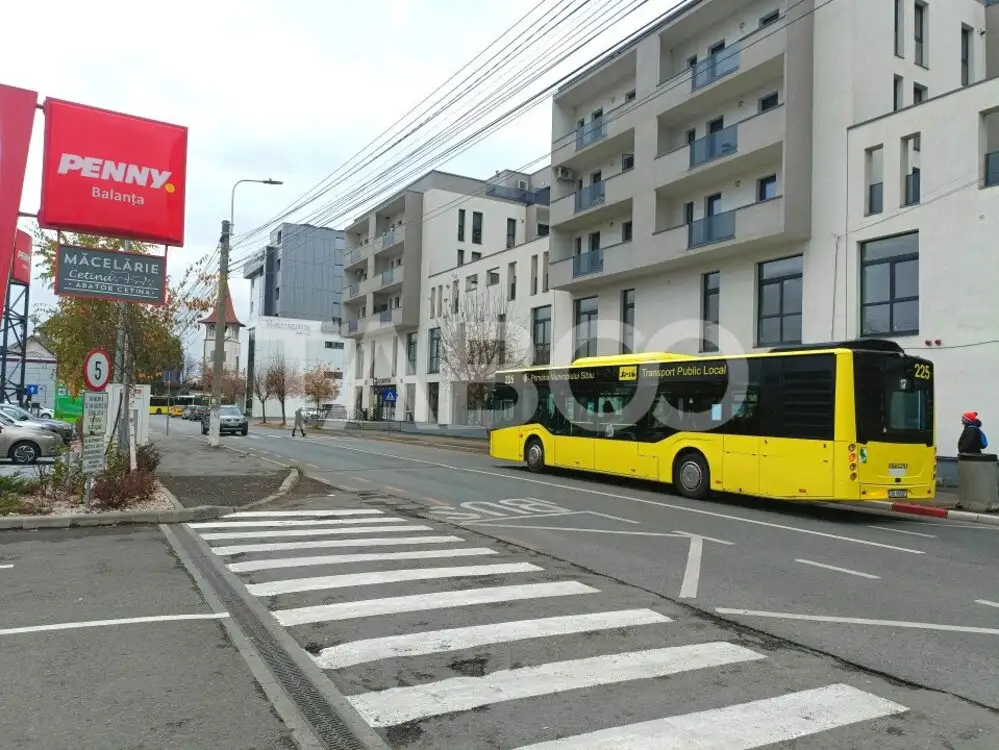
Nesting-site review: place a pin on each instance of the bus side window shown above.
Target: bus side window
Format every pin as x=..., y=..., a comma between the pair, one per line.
x=745, y=412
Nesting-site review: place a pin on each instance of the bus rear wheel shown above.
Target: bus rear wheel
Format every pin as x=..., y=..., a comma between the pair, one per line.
x=691, y=476
x=534, y=455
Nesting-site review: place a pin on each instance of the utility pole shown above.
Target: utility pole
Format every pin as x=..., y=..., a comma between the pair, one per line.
x=121, y=375
x=218, y=361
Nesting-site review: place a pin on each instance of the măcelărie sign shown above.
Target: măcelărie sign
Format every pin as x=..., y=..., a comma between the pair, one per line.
x=113, y=174
x=109, y=274
x=20, y=268
x=17, y=117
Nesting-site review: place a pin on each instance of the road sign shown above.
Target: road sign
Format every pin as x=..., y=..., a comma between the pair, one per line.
x=95, y=413
x=93, y=454
x=31, y=390
x=96, y=370
x=389, y=396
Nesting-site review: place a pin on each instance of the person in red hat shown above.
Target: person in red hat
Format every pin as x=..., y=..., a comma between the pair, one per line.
x=972, y=438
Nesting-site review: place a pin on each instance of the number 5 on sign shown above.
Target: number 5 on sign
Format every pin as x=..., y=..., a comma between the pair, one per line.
x=96, y=370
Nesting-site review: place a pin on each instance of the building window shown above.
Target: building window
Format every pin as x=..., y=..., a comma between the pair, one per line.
x=333, y=345
x=541, y=334
x=472, y=282
x=461, y=226
x=411, y=353
x=769, y=102
x=921, y=28
x=627, y=162
x=476, y=228
x=627, y=321
x=688, y=213
x=434, y=352
x=542, y=230
x=586, y=327
x=899, y=30
x=492, y=277
x=709, y=311
x=889, y=286
x=766, y=188
x=630, y=96
x=511, y=232
x=461, y=257
x=277, y=293
x=476, y=255
x=779, y=301
x=919, y=94
x=965, y=56
x=626, y=232
x=769, y=18
x=899, y=100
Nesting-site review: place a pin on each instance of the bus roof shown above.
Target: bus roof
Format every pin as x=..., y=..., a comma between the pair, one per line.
x=868, y=345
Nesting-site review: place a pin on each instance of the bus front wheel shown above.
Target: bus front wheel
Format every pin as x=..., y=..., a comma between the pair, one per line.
x=534, y=455
x=690, y=475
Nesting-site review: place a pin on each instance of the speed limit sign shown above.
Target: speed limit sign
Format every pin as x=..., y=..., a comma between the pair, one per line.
x=96, y=370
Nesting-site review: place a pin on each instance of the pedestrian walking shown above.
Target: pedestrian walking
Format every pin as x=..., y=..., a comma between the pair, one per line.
x=972, y=440
x=299, y=423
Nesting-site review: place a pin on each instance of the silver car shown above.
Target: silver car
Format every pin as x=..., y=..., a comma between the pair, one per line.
x=26, y=442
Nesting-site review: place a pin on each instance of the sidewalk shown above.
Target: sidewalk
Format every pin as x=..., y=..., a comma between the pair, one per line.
x=474, y=445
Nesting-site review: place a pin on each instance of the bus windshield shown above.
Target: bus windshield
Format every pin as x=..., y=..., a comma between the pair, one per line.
x=894, y=398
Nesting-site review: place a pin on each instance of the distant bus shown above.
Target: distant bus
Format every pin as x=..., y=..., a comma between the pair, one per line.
x=842, y=421
x=175, y=404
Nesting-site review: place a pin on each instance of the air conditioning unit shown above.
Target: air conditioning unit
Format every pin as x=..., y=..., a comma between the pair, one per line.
x=564, y=174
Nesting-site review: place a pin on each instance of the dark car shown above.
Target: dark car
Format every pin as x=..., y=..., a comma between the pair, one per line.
x=64, y=430
x=231, y=420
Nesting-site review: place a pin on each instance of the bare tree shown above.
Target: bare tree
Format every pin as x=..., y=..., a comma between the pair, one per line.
x=285, y=382
x=479, y=334
x=262, y=389
x=321, y=384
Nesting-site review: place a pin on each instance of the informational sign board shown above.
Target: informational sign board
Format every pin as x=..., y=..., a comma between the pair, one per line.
x=93, y=454
x=111, y=275
x=95, y=413
x=96, y=370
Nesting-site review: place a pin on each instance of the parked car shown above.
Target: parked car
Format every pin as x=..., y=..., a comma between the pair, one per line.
x=198, y=412
x=231, y=420
x=64, y=429
x=25, y=443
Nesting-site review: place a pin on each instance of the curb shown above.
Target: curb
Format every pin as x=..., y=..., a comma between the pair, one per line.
x=290, y=482
x=924, y=510
x=169, y=495
x=80, y=520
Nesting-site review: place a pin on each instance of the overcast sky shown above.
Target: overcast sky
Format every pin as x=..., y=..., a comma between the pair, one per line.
x=289, y=90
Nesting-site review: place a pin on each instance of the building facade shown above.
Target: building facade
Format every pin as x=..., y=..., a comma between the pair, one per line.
x=745, y=175
x=299, y=274
x=40, y=372
x=410, y=265
x=230, y=345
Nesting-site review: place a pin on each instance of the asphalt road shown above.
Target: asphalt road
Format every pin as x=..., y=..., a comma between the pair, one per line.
x=74, y=675
x=919, y=598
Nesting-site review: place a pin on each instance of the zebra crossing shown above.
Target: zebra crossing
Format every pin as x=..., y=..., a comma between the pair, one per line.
x=444, y=641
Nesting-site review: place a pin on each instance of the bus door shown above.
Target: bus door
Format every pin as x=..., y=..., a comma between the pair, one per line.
x=574, y=435
x=617, y=447
x=741, y=444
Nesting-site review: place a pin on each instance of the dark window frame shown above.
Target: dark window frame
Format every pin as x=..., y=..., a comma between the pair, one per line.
x=768, y=102
x=891, y=261
x=966, y=40
x=461, y=225
x=781, y=315
x=541, y=334
x=710, y=290
x=477, y=220
x=591, y=318
x=434, y=351
x=511, y=233
x=627, y=326
x=762, y=184
x=627, y=231
x=412, y=342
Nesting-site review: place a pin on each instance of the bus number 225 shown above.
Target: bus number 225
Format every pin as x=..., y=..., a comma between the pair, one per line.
x=923, y=372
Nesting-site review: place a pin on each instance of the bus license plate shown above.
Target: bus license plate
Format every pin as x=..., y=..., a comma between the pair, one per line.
x=898, y=493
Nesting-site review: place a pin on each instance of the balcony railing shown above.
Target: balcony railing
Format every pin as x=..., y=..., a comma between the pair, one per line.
x=385, y=316
x=589, y=133
x=912, y=189
x=541, y=197
x=992, y=167
x=520, y=195
x=586, y=263
x=388, y=276
x=710, y=69
x=354, y=289
x=590, y=195
x=352, y=325
x=714, y=146
x=352, y=256
x=711, y=229
x=542, y=354
x=388, y=238
x=875, y=198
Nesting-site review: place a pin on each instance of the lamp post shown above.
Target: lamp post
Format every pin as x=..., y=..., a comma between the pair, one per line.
x=218, y=360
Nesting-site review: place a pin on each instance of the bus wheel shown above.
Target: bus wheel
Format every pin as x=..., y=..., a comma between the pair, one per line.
x=690, y=475
x=534, y=454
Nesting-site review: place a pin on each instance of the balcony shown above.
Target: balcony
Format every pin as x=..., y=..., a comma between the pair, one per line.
x=390, y=276
x=724, y=142
x=912, y=189
x=711, y=229
x=590, y=133
x=991, y=169
x=389, y=238
x=354, y=257
x=719, y=65
x=587, y=263
x=590, y=196
x=353, y=291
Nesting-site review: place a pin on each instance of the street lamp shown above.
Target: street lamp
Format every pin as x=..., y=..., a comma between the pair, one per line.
x=232, y=200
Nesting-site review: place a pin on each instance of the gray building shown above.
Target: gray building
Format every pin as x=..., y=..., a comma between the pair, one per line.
x=299, y=274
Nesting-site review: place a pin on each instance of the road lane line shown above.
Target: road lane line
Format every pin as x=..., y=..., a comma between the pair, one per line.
x=238, y=549
x=103, y=623
x=6, y=567
x=456, y=639
x=740, y=727
x=670, y=506
x=706, y=538
x=425, y=602
x=902, y=531
x=569, y=528
x=692, y=573
x=304, y=513
x=319, y=522
x=350, y=580
x=303, y=562
x=404, y=704
x=858, y=621
x=838, y=570
x=311, y=532
x=987, y=603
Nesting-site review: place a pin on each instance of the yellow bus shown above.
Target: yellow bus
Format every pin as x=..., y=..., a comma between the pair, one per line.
x=842, y=421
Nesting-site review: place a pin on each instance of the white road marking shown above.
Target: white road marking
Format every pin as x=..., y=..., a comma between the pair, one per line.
x=293, y=522
x=705, y=538
x=102, y=623
x=902, y=531
x=238, y=549
x=303, y=513
x=302, y=562
x=858, y=621
x=403, y=704
x=838, y=570
x=424, y=602
x=584, y=531
x=741, y=727
x=670, y=506
x=692, y=573
x=987, y=603
x=311, y=532
x=456, y=639
x=6, y=567
x=349, y=580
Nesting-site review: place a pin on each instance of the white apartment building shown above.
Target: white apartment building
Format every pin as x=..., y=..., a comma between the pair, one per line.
x=409, y=267
x=754, y=174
